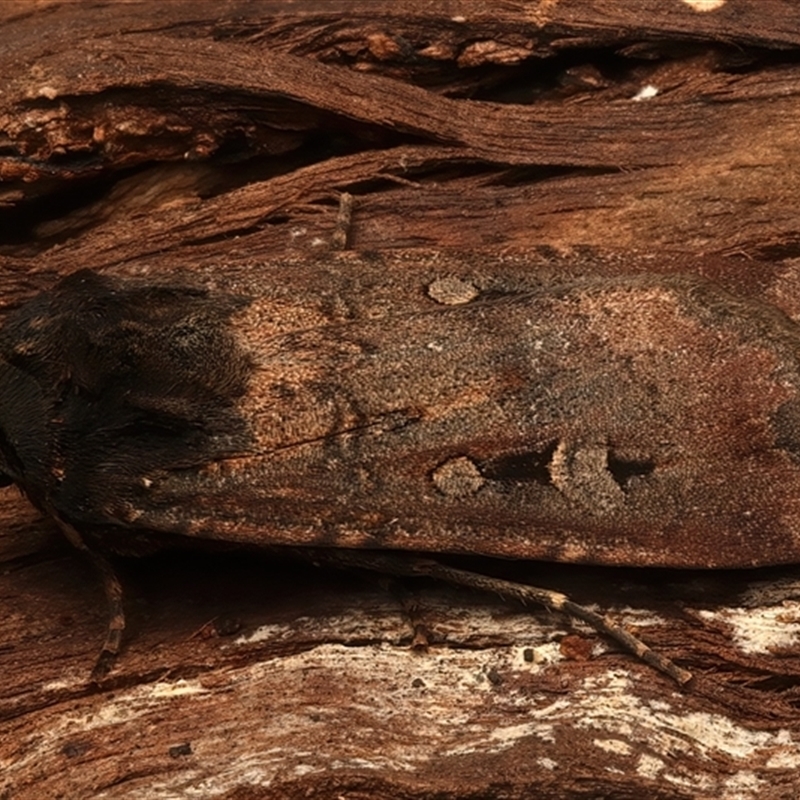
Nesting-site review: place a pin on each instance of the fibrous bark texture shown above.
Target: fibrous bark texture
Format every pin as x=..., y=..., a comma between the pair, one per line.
x=155, y=142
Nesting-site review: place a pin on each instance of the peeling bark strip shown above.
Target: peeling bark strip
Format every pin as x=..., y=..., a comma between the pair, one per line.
x=535, y=124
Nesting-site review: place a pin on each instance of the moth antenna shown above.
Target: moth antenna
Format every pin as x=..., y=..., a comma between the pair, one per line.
x=113, y=591
x=402, y=565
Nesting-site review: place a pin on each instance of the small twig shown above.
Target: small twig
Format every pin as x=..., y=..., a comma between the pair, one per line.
x=401, y=181
x=413, y=566
x=343, y=221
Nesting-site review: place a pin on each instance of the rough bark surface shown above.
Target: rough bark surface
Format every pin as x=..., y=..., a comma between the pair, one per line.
x=152, y=139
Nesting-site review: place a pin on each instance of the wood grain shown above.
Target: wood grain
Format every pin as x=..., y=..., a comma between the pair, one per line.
x=208, y=136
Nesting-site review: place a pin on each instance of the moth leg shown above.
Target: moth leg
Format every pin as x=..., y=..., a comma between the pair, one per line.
x=113, y=591
x=401, y=565
x=116, y=618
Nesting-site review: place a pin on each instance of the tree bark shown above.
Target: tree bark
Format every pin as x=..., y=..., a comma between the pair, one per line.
x=156, y=139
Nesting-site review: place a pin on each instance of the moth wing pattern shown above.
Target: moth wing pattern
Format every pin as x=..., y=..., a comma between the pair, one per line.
x=622, y=419
x=436, y=404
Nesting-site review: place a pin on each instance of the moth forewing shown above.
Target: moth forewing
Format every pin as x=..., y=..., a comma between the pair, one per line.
x=625, y=420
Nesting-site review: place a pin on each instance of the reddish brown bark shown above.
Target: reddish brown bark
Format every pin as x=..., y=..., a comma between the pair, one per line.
x=137, y=138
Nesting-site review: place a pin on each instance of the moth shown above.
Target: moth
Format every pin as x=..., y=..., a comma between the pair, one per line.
x=369, y=406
